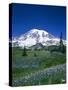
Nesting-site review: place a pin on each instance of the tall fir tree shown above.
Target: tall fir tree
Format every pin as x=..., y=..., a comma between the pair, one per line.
x=24, y=52
x=61, y=46
x=61, y=41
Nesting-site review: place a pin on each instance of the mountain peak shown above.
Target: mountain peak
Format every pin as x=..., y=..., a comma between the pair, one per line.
x=38, y=30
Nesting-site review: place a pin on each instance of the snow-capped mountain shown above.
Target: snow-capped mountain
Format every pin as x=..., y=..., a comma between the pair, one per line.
x=33, y=37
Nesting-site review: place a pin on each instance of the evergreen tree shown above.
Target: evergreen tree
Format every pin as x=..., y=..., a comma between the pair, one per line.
x=61, y=46
x=24, y=52
x=61, y=42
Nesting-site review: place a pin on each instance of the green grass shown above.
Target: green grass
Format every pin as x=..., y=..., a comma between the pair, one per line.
x=54, y=79
x=44, y=59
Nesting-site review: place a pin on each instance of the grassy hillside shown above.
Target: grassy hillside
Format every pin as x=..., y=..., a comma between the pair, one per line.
x=34, y=62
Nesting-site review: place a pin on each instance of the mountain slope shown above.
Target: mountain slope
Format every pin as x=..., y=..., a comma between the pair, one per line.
x=33, y=37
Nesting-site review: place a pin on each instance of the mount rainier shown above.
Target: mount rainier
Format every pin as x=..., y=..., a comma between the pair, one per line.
x=33, y=37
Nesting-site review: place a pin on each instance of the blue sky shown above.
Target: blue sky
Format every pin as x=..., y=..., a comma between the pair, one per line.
x=50, y=18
